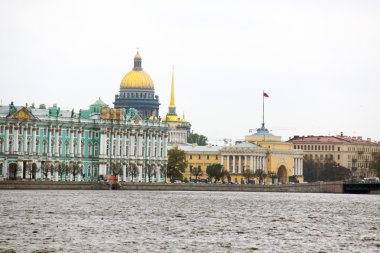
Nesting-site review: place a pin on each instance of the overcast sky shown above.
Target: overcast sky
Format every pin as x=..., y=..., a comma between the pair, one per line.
x=319, y=61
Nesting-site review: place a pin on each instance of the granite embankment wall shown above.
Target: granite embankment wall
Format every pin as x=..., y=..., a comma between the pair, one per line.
x=328, y=187
x=49, y=185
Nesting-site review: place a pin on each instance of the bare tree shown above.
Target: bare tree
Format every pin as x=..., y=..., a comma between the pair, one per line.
x=197, y=172
x=133, y=171
x=61, y=169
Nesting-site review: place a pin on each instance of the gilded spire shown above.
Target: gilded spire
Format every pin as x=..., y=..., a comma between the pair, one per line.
x=172, y=100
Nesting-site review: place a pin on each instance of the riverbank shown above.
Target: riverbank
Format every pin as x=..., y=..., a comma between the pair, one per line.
x=320, y=187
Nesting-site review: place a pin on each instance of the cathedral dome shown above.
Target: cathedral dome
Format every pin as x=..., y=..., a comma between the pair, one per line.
x=137, y=78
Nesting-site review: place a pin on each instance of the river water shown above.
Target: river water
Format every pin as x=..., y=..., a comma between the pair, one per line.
x=153, y=221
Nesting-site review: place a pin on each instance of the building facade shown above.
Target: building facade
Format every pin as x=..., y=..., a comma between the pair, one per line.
x=62, y=145
x=354, y=153
x=137, y=91
x=278, y=161
x=179, y=127
x=283, y=162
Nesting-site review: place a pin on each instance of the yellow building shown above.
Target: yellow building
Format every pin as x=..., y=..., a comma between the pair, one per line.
x=199, y=157
x=260, y=151
x=282, y=162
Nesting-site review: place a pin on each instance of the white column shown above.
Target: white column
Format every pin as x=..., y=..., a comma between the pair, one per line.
x=239, y=165
x=118, y=144
x=251, y=164
x=140, y=173
x=34, y=139
x=80, y=142
x=50, y=133
x=124, y=173
x=158, y=174
x=301, y=167
x=265, y=164
x=6, y=144
x=228, y=163
x=56, y=142
x=124, y=145
x=222, y=160
x=233, y=164
x=159, y=145
x=25, y=141
x=15, y=139
x=20, y=169
x=38, y=170
x=102, y=169
x=245, y=162
x=71, y=142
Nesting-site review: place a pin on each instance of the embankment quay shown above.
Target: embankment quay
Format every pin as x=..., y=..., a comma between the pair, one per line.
x=320, y=187
x=333, y=187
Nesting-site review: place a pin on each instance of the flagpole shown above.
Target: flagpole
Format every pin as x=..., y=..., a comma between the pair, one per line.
x=263, y=110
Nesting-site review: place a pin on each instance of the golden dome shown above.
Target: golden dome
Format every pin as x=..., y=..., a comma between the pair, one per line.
x=137, y=79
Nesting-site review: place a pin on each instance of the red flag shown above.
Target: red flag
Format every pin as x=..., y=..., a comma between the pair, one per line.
x=265, y=95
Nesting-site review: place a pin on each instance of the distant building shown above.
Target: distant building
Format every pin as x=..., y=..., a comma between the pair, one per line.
x=354, y=153
x=54, y=144
x=260, y=151
x=179, y=127
x=137, y=91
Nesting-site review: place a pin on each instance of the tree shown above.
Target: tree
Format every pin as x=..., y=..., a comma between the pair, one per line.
x=260, y=174
x=375, y=164
x=215, y=171
x=197, y=171
x=199, y=139
x=176, y=164
x=225, y=175
x=325, y=170
x=116, y=168
x=76, y=168
x=248, y=174
x=61, y=169
x=133, y=171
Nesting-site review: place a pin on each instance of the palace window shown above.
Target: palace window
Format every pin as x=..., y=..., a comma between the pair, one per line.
x=338, y=148
x=10, y=146
x=199, y=157
x=108, y=149
x=191, y=157
x=216, y=157
x=1, y=129
x=191, y=168
x=96, y=149
x=59, y=149
x=1, y=146
x=208, y=157
x=44, y=131
x=338, y=157
x=20, y=130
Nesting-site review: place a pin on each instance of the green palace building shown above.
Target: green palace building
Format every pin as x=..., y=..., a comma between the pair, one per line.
x=40, y=143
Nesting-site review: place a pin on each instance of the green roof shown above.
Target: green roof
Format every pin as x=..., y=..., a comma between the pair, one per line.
x=99, y=102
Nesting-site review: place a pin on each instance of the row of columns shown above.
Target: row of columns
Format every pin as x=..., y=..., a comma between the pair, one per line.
x=177, y=136
x=255, y=163
x=136, y=144
x=298, y=166
x=33, y=148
